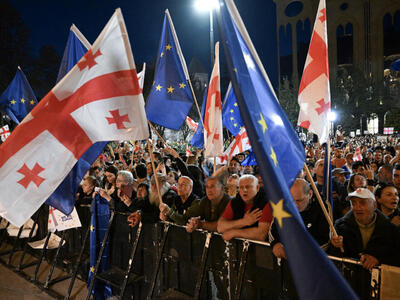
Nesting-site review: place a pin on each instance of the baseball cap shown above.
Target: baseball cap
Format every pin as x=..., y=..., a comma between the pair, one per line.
x=340, y=171
x=361, y=193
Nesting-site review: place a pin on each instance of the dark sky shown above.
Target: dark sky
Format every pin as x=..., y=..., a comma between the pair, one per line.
x=49, y=23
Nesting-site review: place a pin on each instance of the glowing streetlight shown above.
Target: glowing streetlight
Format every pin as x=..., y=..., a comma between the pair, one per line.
x=332, y=116
x=209, y=5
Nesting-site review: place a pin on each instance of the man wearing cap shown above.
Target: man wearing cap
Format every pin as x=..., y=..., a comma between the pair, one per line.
x=340, y=174
x=366, y=234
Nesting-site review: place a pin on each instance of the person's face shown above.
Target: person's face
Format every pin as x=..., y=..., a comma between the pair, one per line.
x=369, y=155
x=338, y=153
x=341, y=177
x=300, y=198
x=87, y=187
x=389, y=198
x=363, y=209
x=360, y=169
x=214, y=190
x=378, y=156
x=387, y=159
x=396, y=178
x=184, y=187
x=248, y=189
x=141, y=192
x=120, y=181
x=359, y=181
x=98, y=172
x=110, y=177
x=149, y=169
x=374, y=167
x=171, y=178
x=234, y=167
x=319, y=169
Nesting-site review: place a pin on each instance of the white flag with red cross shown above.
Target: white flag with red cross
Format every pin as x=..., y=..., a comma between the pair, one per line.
x=240, y=144
x=357, y=155
x=4, y=132
x=314, y=94
x=213, y=136
x=191, y=124
x=98, y=100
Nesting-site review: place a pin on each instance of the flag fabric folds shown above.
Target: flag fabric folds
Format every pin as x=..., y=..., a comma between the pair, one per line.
x=4, y=132
x=98, y=227
x=170, y=98
x=77, y=46
x=18, y=99
x=213, y=135
x=327, y=180
x=230, y=112
x=191, y=124
x=98, y=100
x=280, y=156
x=250, y=160
x=314, y=94
x=198, y=137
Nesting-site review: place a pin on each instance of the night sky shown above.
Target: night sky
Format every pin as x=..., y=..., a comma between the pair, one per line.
x=49, y=23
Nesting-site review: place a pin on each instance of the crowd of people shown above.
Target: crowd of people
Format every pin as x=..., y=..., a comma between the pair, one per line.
x=231, y=199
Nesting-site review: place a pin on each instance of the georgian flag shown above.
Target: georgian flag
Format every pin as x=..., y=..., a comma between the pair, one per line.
x=191, y=124
x=98, y=100
x=240, y=144
x=213, y=137
x=314, y=94
x=4, y=132
x=357, y=155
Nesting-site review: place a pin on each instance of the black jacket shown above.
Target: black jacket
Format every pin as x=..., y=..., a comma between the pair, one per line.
x=384, y=243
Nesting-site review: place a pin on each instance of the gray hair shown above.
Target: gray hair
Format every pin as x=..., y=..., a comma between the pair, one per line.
x=249, y=176
x=126, y=175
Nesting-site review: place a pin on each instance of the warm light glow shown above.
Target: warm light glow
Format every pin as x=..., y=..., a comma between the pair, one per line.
x=332, y=116
x=206, y=5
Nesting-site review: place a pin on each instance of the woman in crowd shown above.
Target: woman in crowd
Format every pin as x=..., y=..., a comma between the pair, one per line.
x=356, y=181
x=387, y=199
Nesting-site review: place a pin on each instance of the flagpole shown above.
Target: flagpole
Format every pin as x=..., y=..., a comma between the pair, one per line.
x=329, y=174
x=152, y=127
x=183, y=62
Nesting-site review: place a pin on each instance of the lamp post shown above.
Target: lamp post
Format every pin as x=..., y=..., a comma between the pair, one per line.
x=332, y=115
x=209, y=5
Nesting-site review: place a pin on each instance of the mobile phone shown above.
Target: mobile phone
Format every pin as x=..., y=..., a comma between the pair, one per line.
x=97, y=189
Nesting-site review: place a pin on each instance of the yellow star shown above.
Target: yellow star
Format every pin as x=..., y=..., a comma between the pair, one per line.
x=235, y=70
x=231, y=111
x=263, y=123
x=162, y=54
x=182, y=85
x=273, y=156
x=22, y=100
x=13, y=101
x=32, y=102
x=168, y=47
x=278, y=212
x=232, y=118
x=235, y=124
x=158, y=87
x=92, y=269
x=91, y=228
x=235, y=104
x=170, y=89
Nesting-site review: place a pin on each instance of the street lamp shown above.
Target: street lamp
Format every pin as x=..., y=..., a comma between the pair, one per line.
x=332, y=118
x=210, y=5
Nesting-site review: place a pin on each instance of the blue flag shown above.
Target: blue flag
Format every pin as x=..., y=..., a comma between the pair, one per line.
x=198, y=137
x=98, y=227
x=395, y=65
x=18, y=99
x=170, y=98
x=76, y=47
x=250, y=160
x=327, y=185
x=230, y=113
x=63, y=197
x=280, y=156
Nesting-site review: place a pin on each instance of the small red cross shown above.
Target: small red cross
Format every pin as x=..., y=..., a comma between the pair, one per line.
x=323, y=106
x=118, y=119
x=305, y=124
x=322, y=18
x=88, y=60
x=31, y=175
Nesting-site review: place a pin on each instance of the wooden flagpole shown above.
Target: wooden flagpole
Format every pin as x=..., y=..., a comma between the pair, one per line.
x=154, y=171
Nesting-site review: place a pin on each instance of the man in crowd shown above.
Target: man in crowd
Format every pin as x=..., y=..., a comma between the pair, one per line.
x=385, y=174
x=248, y=215
x=396, y=176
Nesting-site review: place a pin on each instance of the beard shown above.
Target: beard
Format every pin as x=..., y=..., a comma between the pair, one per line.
x=153, y=197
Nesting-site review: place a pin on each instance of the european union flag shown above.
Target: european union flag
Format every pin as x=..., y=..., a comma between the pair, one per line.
x=230, y=112
x=395, y=65
x=250, y=160
x=198, y=137
x=63, y=197
x=98, y=227
x=170, y=98
x=280, y=156
x=18, y=99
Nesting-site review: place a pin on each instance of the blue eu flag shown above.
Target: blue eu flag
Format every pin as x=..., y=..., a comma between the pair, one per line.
x=396, y=65
x=327, y=185
x=198, y=137
x=63, y=198
x=230, y=113
x=98, y=227
x=170, y=98
x=250, y=160
x=280, y=156
x=18, y=99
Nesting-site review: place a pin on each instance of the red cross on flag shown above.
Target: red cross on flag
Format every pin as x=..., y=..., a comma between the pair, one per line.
x=98, y=100
x=4, y=132
x=213, y=138
x=357, y=155
x=192, y=124
x=240, y=144
x=314, y=95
